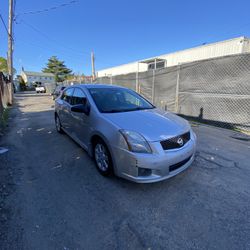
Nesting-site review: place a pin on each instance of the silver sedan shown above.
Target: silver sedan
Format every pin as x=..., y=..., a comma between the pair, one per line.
x=124, y=133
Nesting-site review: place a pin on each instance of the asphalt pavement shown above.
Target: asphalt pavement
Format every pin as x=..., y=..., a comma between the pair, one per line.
x=52, y=196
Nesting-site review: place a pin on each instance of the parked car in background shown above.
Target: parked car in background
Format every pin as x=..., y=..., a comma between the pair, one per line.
x=57, y=91
x=125, y=133
x=40, y=89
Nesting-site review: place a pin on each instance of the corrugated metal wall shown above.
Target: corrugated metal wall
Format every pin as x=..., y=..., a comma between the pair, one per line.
x=228, y=47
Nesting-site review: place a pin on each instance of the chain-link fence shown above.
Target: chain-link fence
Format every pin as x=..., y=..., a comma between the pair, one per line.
x=215, y=91
x=50, y=87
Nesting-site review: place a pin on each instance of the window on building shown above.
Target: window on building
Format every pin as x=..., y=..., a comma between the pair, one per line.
x=157, y=65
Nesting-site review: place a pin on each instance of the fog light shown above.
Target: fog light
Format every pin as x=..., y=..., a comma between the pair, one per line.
x=144, y=172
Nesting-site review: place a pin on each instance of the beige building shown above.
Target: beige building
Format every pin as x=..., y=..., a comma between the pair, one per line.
x=223, y=48
x=31, y=78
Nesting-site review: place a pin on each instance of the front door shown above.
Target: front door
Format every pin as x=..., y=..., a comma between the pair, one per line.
x=80, y=120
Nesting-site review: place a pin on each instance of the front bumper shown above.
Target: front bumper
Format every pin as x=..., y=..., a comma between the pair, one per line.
x=160, y=165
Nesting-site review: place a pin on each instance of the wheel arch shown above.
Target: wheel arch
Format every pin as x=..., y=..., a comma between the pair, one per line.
x=98, y=136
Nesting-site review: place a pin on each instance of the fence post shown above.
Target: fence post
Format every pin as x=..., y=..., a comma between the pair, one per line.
x=111, y=79
x=153, y=87
x=137, y=79
x=177, y=89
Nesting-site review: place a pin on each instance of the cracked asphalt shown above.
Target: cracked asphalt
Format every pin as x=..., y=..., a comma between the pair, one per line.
x=52, y=197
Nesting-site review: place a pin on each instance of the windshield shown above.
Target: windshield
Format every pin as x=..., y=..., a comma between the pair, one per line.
x=111, y=100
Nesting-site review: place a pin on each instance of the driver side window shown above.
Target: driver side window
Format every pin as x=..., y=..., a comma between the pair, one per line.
x=67, y=95
x=78, y=97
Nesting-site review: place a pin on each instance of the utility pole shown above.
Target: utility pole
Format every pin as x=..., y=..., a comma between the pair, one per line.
x=10, y=49
x=93, y=65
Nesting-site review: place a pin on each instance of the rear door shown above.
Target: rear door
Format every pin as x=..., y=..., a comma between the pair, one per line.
x=65, y=113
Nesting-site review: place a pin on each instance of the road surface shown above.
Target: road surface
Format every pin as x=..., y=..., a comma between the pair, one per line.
x=52, y=197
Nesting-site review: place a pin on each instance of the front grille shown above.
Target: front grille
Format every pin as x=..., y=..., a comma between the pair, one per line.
x=175, y=142
x=179, y=164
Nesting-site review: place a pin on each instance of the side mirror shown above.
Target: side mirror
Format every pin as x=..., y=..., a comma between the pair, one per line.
x=80, y=108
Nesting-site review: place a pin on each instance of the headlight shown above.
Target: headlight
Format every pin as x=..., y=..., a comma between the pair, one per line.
x=136, y=142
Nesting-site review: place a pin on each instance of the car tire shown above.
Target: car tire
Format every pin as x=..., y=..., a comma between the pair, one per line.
x=58, y=124
x=102, y=158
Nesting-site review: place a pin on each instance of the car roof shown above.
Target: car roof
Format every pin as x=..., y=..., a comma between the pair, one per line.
x=91, y=86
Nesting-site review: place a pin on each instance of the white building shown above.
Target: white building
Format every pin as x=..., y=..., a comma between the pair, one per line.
x=31, y=78
x=223, y=48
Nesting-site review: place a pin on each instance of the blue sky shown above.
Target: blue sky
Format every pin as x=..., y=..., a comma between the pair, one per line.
x=117, y=31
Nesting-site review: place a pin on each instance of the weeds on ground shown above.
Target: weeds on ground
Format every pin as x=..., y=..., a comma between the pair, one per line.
x=3, y=120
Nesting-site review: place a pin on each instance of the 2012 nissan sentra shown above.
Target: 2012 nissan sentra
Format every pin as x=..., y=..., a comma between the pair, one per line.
x=124, y=133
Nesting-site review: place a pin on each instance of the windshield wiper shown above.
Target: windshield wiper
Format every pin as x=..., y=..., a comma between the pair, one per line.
x=141, y=108
x=126, y=110
x=113, y=111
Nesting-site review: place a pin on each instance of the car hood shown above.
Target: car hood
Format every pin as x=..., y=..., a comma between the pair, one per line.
x=153, y=124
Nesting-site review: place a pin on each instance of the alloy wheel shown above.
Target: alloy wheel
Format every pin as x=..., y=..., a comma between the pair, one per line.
x=101, y=157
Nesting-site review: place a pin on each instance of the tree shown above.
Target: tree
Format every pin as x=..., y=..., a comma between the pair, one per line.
x=75, y=77
x=4, y=66
x=22, y=83
x=58, y=68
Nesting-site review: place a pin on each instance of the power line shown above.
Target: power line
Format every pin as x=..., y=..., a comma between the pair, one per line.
x=14, y=7
x=51, y=39
x=55, y=42
x=14, y=13
x=5, y=26
x=42, y=47
x=47, y=9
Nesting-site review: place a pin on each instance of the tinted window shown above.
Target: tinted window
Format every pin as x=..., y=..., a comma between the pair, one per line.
x=78, y=97
x=66, y=96
x=109, y=100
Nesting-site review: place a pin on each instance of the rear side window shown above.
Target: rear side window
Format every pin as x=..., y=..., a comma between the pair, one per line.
x=67, y=94
x=78, y=97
